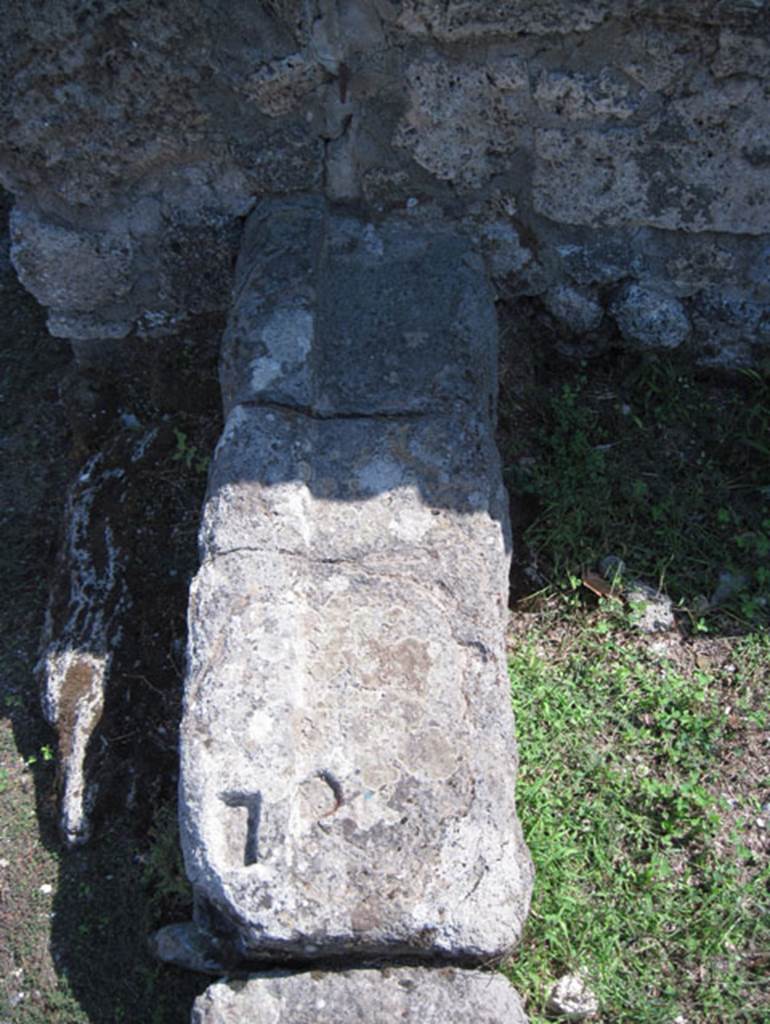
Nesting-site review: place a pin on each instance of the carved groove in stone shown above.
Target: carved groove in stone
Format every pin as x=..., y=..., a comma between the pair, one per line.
x=252, y=804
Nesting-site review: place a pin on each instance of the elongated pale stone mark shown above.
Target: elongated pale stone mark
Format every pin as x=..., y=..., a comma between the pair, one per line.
x=253, y=804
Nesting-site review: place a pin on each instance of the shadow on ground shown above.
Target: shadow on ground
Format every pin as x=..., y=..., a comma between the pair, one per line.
x=74, y=924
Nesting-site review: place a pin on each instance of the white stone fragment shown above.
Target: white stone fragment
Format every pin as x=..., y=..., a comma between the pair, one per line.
x=572, y=999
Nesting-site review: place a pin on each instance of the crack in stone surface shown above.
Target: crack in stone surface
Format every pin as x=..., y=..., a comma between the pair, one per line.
x=317, y=414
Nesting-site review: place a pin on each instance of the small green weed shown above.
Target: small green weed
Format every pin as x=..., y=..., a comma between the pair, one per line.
x=189, y=454
x=46, y=755
x=169, y=895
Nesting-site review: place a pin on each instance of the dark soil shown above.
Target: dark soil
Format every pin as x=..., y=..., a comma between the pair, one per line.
x=90, y=962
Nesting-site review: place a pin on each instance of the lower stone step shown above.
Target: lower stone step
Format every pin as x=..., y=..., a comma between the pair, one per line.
x=402, y=995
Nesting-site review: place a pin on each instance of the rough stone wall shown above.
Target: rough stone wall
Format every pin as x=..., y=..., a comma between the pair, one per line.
x=610, y=158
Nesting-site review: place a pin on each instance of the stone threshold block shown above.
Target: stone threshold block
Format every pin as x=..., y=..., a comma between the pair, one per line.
x=347, y=748
x=406, y=995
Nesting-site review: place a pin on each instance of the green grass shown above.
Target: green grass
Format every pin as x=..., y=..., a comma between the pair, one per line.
x=648, y=461
x=644, y=879
x=644, y=758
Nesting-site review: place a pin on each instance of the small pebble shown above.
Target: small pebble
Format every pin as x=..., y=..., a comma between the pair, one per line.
x=653, y=611
x=572, y=999
x=46, y=889
x=130, y=421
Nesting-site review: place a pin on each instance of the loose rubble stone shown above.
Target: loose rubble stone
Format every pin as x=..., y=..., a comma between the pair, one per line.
x=575, y=310
x=82, y=628
x=86, y=328
x=347, y=745
x=572, y=999
x=185, y=945
x=741, y=327
x=591, y=265
x=408, y=994
x=650, y=320
x=652, y=611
